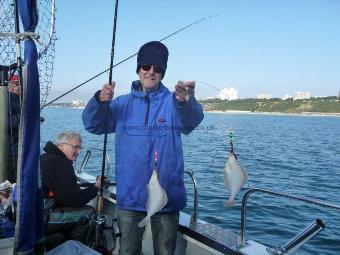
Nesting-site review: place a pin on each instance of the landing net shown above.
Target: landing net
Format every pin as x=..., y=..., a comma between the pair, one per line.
x=45, y=43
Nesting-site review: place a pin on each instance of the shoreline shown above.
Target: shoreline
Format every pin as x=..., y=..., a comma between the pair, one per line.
x=314, y=114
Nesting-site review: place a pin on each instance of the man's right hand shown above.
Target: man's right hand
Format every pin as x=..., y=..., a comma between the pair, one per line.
x=107, y=92
x=98, y=181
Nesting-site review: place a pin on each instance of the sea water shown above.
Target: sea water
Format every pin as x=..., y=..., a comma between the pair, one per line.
x=292, y=154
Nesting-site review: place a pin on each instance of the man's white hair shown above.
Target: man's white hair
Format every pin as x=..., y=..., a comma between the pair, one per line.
x=66, y=137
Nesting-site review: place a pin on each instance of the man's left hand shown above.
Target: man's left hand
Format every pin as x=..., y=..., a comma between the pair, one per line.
x=184, y=90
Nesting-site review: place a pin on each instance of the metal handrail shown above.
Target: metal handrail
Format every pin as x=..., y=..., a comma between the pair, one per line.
x=194, y=216
x=84, y=163
x=252, y=190
x=86, y=158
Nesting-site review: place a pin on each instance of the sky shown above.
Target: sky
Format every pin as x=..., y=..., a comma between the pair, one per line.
x=272, y=47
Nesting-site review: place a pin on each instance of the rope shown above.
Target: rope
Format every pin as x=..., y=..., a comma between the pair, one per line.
x=23, y=36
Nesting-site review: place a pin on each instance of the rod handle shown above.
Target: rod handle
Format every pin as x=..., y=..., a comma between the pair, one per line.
x=100, y=204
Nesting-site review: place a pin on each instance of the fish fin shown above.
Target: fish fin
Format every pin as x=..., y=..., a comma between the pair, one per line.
x=143, y=222
x=225, y=178
x=245, y=175
x=165, y=201
x=147, y=202
x=146, y=230
x=230, y=202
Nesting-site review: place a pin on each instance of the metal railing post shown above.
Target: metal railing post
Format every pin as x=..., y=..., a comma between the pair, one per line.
x=194, y=216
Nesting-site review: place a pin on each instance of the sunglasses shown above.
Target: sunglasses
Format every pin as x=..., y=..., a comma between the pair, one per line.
x=157, y=69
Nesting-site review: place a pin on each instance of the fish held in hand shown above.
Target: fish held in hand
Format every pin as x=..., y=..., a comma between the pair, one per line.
x=157, y=198
x=234, y=178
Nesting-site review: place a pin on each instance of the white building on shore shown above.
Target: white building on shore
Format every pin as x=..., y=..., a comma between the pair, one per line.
x=77, y=103
x=287, y=96
x=263, y=96
x=228, y=94
x=301, y=95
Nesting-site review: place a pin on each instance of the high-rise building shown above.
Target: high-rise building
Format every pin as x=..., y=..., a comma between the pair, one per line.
x=228, y=94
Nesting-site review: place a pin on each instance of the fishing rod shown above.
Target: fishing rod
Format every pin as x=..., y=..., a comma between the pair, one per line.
x=122, y=61
x=106, y=120
x=99, y=219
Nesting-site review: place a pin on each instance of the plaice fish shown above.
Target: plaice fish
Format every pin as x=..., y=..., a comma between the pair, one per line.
x=234, y=178
x=157, y=197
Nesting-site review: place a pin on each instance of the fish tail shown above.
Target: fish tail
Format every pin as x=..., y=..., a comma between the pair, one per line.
x=144, y=221
x=230, y=202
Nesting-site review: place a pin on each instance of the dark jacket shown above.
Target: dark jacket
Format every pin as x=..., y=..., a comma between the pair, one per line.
x=58, y=176
x=145, y=123
x=13, y=124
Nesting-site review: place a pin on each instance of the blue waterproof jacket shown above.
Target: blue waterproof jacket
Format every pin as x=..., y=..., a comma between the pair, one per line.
x=145, y=123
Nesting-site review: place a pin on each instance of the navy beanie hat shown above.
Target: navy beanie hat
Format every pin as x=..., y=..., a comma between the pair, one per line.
x=153, y=53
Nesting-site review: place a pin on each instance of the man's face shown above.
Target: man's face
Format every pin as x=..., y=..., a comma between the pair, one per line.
x=71, y=149
x=13, y=88
x=150, y=79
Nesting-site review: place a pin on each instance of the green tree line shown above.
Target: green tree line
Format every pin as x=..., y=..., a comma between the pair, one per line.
x=312, y=105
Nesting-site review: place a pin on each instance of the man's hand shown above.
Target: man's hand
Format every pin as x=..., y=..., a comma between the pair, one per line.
x=184, y=90
x=98, y=181
x=107, y=92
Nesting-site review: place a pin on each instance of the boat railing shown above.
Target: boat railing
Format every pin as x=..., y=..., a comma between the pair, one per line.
x=84, y=162
x=194, y=215
x=87, y=156
x=274, y=193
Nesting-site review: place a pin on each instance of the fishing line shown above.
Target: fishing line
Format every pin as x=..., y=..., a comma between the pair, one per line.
x=231, y=141
x=122, y=61
x=211, y=86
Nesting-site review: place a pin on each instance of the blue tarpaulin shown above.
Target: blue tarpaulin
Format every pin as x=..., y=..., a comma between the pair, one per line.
x=29, y=229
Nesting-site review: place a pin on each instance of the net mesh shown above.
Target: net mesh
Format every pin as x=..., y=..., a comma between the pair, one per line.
x=47, y=39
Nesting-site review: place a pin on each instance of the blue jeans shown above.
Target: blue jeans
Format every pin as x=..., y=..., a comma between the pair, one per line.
x=163, y=227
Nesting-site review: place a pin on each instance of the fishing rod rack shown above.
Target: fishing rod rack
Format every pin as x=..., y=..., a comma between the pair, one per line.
x=296, y=241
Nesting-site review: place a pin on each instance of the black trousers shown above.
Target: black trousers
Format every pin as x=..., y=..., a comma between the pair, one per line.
x=73, y=223
x=11, y=173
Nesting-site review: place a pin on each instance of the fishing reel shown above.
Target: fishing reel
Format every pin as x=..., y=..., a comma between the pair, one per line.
x=97, y=237
x=108, y=183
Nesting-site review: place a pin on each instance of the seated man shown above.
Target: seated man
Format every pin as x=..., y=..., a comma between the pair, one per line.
x=69, y=213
